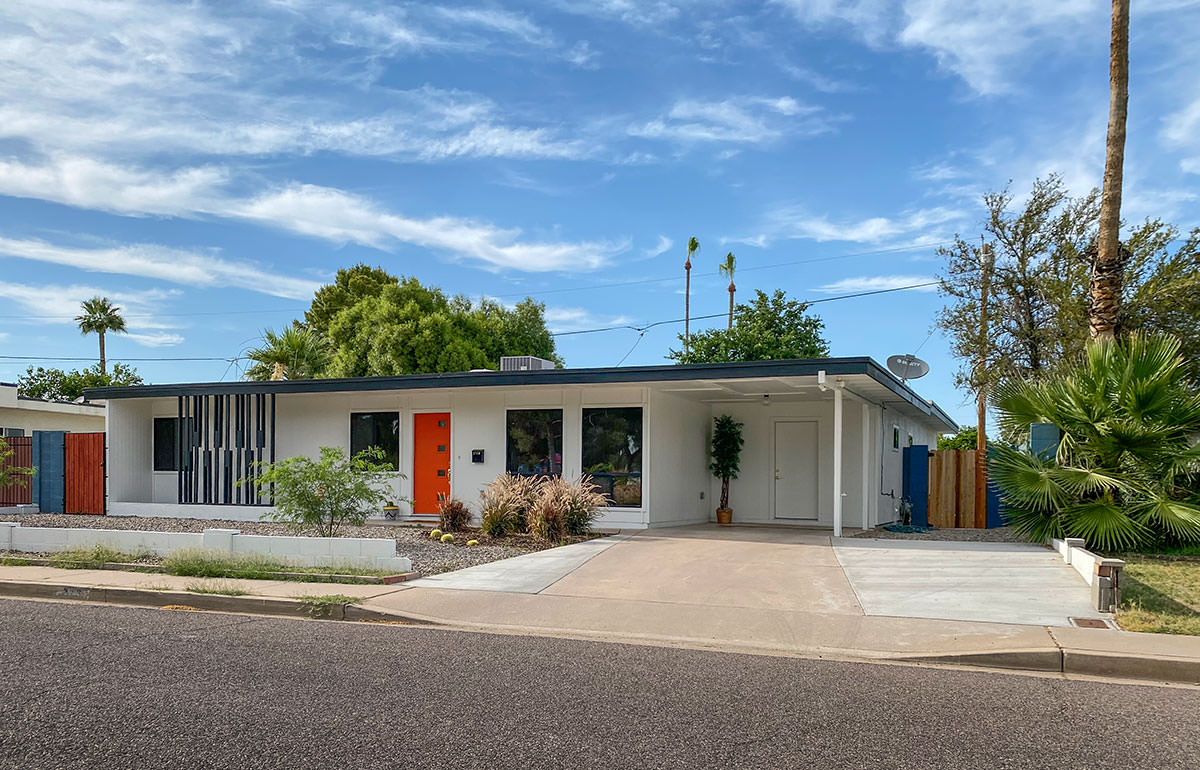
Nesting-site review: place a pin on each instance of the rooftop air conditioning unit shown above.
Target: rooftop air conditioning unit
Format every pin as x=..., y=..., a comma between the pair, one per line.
x=524, y=363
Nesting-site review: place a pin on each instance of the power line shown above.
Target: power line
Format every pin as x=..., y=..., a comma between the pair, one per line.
x=753, y=268
x=724, y=315
x=93, y=358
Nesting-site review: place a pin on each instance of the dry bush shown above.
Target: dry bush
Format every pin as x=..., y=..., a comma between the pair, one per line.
x=453, y=515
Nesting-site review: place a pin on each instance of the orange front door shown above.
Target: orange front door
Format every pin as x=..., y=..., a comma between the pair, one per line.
x=431, y=461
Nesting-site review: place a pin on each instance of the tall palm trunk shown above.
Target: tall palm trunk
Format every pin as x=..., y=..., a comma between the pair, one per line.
x=1109, y=265
x=103, y=360
x=687, y=304
x=732, y=289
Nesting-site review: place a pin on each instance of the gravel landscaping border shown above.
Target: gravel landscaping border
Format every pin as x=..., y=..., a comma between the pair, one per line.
x=995, y=535
x=429, y=557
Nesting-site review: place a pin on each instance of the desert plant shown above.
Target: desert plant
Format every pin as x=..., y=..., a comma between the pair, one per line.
x=447, y=538
x=565, y=508
x=506, y=502
x=472, y=542
x=726, y=452
x=11, y=475
x=325, y=494
x=435, y=534
x=453, y=515
x=1125, y=473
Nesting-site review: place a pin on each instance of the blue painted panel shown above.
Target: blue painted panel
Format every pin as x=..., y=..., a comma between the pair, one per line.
x=995, y=510
x=49, y=459
x=916, y=482
x=1043, y=440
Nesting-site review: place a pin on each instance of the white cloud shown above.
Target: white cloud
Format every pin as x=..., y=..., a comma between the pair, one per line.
x=927, y=225
x=744, y=120
x=148, y=260
x=663, y=245
x=878, y=282
x=59, y=304
x=565, y=319
x=321, y=212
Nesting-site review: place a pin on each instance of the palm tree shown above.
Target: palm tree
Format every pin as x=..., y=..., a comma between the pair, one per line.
x=726, y=269
x=100, y=316
x=1108, y=267
x=693, y=247
x=297, y=353
x=1125, y=471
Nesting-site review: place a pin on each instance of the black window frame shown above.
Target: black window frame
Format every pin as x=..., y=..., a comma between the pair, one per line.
x=516, y=468
x=391, y=457
x=174, y=437
x=608, y=480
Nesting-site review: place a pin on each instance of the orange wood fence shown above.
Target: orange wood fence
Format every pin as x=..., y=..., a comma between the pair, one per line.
x=84, y=477
x=952, y=488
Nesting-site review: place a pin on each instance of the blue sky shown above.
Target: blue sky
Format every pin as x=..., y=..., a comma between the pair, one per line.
x=207, y=165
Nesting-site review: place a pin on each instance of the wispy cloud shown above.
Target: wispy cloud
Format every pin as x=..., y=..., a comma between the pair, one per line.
x=148, y=260
x=59, y=304
x=740, y=120
x=928, y=225
x=663, y=245
x=877, y=282
x=565, y=319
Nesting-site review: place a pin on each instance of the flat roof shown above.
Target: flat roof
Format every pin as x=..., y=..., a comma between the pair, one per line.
x=599, y=375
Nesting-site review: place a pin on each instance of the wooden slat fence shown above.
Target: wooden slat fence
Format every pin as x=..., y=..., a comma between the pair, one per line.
x=20, y=493
x=84, y=473
x=952, y=488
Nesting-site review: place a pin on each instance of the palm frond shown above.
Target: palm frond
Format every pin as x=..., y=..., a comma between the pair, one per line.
x=1179, y=519
x=1086, y=481
x=1104, y=525
x=1025, y=481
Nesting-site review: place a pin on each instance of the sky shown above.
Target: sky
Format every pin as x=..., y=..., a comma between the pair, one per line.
x=208, y=165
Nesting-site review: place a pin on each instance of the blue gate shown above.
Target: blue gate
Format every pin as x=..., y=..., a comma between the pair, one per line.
x=50, y=461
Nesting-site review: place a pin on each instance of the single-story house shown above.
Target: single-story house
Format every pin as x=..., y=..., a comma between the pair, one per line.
x=823, y=438
x=21, y=415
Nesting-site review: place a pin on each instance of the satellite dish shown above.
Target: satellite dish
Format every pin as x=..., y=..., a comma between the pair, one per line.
x=907, y=367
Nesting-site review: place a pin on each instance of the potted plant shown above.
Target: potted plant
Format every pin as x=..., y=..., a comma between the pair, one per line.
x=726, y=452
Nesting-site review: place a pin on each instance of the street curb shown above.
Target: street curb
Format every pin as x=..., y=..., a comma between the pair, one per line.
x=1079, y=662
x=256, y=605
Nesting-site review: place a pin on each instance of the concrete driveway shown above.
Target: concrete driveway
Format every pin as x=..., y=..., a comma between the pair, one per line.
x=991, y=582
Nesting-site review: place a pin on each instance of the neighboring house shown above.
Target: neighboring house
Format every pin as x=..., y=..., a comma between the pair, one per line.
x=21, y=416
x=642, y=432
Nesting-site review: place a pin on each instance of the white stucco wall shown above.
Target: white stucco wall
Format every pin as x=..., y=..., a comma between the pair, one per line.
x=30, y=415
x=677, y=461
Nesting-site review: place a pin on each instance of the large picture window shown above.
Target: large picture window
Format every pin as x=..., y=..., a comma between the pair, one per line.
x=612, y=452
x=166, y=444
x=534, y=442
x=376, y=429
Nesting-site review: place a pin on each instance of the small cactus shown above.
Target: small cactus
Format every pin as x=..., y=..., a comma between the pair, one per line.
x=472, y=542
x=447, y=538
x=434, y=535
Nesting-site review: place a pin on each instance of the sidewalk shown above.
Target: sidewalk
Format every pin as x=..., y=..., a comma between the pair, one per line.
x=805, y=633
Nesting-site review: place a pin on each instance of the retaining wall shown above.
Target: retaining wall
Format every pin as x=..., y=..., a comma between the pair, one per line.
x=301, y=551
x=1101, y=573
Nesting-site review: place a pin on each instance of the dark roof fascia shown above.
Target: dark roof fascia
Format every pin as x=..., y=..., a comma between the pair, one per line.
x=58, y=401
x=608, y=375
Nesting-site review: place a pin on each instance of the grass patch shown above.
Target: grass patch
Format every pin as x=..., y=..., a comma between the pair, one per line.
x=1161, y=597
x=219, y=587
x=90, y=558
x=249, y=566
x=14, y=561
x=320, y=605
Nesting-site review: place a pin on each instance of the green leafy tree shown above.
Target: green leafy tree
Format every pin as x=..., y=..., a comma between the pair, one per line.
x=726, y=453
x=298, y=351
x=1038, y=311
x=326, y=494
x=1126, y=470
x=966, y=438
x=349, y=287
x=769, y=328
x=100, y=316
x=59, y=385
x=11, y=475
x=409, y=328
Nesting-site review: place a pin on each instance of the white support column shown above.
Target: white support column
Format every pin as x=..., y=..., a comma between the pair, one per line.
x=867, y=474
x=837, y=459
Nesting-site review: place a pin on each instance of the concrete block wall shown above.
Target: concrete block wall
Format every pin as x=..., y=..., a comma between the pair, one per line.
x=370, y=552
x=1103, y=574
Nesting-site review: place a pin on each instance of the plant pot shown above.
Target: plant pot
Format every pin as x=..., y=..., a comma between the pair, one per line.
x=725, y=517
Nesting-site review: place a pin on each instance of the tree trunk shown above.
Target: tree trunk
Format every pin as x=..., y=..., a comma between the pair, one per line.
x=687, y=306
x=732, y=288
x=725, y=492
x=1109, y=265
x=103, y=361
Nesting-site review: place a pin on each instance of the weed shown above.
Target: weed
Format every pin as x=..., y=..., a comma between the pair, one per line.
x=220, y=587
x=89, y=558
x=319, y=606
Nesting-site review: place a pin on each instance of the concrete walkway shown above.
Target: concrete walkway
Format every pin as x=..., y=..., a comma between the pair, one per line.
x=528, y=574
x=990, y=582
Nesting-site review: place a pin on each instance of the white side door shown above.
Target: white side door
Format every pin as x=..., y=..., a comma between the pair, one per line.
x=796, y=447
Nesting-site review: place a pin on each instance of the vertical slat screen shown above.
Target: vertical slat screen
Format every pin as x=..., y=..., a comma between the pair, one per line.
x=223, y=437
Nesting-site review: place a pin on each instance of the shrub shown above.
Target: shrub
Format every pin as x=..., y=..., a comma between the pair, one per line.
x=325, y=494
x=565, y=508
x=435, y=534
x=1124, y=475
x=11, y=475
x=454, y=515
x=726, y=452
x=506, y=502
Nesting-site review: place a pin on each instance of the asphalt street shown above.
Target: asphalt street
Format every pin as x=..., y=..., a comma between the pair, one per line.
x=110, y=687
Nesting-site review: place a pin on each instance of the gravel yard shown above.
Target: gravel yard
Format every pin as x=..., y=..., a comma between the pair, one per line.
x=428, y=557
x=997, y=535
